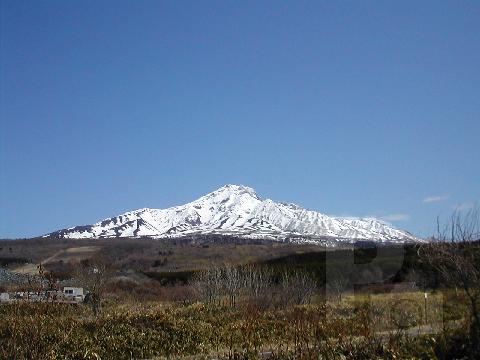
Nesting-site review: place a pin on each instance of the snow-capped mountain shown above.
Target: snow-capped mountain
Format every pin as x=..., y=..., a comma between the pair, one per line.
x=237, y=210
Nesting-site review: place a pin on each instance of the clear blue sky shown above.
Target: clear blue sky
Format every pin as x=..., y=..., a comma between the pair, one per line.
x=349, y=108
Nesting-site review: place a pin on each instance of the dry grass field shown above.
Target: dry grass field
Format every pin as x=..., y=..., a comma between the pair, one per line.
x=177, y=299
x=347, y=329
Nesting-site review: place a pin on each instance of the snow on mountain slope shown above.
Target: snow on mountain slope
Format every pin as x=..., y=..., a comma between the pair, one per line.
x=237, y=210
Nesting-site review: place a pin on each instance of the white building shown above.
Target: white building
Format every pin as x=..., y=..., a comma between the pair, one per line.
x=74, y=292
x=4, y=297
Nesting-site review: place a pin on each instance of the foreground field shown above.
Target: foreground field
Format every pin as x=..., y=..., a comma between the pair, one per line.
x=377, y=327
x=149, y=300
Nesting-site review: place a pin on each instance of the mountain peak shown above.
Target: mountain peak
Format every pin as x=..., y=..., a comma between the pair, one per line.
x=232, y=189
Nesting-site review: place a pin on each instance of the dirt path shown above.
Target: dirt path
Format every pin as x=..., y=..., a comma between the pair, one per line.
x=32, y=269
x=66, y=254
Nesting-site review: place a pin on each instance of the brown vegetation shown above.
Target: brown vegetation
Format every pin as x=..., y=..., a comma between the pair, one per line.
x=455, y=257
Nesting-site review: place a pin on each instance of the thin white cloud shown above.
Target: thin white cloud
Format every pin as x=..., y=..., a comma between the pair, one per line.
x=395, y=217
x=433, y=199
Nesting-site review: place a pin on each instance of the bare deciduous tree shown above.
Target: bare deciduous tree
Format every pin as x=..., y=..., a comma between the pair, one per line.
x=257, y=281
x=93, y=275
x=336, y=284
x=254, y=284
x=298, y=287
x=232, y=282
x=208, y=284
x=455, y=255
